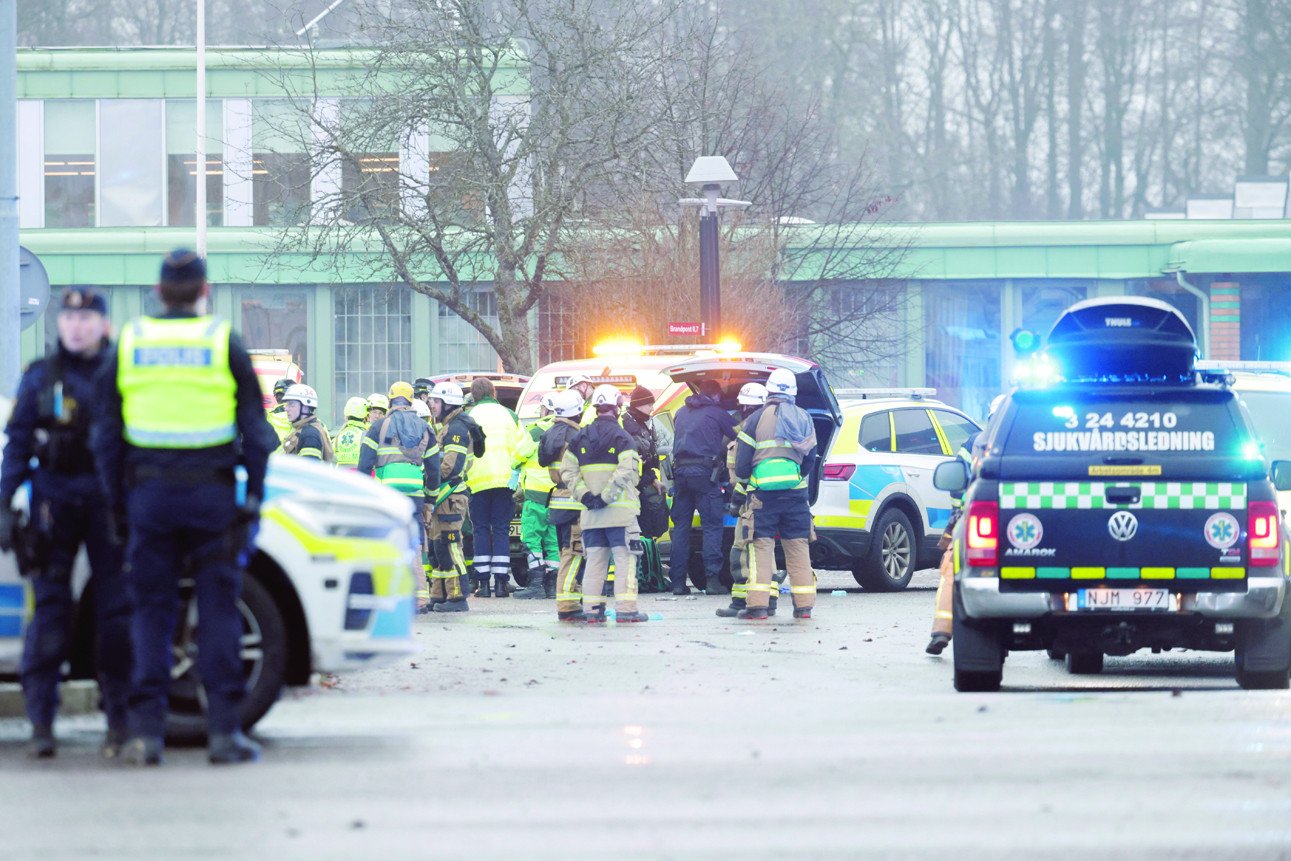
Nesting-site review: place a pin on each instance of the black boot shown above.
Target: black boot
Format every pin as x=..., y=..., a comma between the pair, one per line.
x=143, y=750
x=771, y=605
x=500, y=582
x=452, y=605
x=595, y=615
x=802, y=612
x=634, y=616
x=752, y=613
x=737, y=604
x=114, y=741
x=482, y=589
x=231, y=748
x=42, y=742
x=938, y=643
x=535, y=587
x=571, y=616
x=713, y=585
x=549, y=583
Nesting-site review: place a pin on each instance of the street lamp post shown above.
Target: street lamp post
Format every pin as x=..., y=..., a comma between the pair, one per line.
x=709, y=172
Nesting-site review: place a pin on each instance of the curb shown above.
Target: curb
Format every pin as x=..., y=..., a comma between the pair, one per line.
x=78, y=698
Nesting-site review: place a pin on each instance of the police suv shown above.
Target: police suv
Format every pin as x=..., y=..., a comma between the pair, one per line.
x=1127, y=505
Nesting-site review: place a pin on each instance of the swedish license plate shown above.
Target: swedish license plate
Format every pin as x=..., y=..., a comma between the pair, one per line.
x=1124, y=599
x=514, y=531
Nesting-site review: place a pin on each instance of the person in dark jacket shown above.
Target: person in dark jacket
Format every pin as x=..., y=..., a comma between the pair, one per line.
x=702, y=430
x=179, y=408
x=50, y=424
x=652, y=442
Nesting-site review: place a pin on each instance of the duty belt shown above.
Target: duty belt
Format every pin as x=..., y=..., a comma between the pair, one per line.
x=140, y=473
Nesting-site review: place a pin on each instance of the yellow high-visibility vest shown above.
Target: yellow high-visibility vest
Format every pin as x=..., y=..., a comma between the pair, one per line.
x=177, y=390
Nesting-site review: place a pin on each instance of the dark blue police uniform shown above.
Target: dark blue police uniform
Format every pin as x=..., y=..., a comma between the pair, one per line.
x=180, y=505
x=49, y=427
x=701, y=429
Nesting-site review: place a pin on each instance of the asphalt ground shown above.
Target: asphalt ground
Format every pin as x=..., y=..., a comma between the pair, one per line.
x=511, y=736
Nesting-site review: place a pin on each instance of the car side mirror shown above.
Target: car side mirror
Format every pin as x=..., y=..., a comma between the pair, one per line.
x=952, y=476
x=1282, y=474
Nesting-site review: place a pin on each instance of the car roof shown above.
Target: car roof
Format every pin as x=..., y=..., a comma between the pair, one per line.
x=1246, y=381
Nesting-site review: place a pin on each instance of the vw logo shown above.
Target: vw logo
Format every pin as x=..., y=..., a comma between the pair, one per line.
x=1123, y=525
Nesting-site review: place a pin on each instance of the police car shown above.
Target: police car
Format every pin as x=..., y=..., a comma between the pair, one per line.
x=330, y=588
x=1125, y=505
x=878, y=513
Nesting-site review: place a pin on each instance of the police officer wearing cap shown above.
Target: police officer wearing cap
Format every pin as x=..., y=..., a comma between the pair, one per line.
x=179, y=409
x=48, y=433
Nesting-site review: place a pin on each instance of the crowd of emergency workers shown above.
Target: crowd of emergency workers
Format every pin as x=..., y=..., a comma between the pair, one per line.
x=109, y=435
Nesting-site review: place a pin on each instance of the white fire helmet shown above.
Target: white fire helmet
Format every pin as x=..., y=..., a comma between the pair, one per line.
x=549, y=402
x=420, y=408
x=302, y=393
x=606, y=396
x=449, y=392
x=752, y=395
x=568, y=404
x=782, y=382
x=576, y=380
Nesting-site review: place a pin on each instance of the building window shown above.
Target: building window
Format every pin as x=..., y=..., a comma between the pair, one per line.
x=69, y=163
x=373, y=338
x=280, y=168
x=277, y=319
x=962, y=342
x=461, y=346
x=131, y=154
x=181, y=162
x=370, y=186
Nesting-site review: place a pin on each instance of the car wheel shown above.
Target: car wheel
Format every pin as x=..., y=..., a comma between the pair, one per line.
x=978, y=653
x=978, y=681
x=1055, y=654
x=1084, y=663
x=264, y=662
x=890, y=563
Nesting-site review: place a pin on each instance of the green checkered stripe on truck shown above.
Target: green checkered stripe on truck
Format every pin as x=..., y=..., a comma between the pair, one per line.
x=1185, y=495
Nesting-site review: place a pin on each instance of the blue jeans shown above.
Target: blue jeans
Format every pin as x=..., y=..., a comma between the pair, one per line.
x=491, y=514
x=695, y=491
x=171, y=523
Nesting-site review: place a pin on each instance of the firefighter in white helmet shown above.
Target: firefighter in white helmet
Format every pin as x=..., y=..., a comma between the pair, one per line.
x=601, y=466
x=751, y=397
x=563, y=510
x=775, y=455
x=446, y=505
x=308, y=436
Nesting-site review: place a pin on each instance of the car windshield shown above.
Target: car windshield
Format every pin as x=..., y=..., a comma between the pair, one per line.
x=1269, y=411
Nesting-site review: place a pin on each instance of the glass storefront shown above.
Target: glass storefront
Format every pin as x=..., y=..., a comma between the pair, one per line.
x=372, y=338
x=280, y=168
x=461, y=347
x=130, y=163
x=277, y=318
x=962, y=342
x=181, y=162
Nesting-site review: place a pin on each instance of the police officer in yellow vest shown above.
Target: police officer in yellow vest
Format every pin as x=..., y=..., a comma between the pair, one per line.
x=308, y=437
x=447, y=505
x=179, y=409
x=489, y=480
x=775, y=454
x=348, y=441
x=537, y=534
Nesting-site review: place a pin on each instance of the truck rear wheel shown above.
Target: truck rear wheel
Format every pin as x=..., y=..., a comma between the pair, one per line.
x=978, y=653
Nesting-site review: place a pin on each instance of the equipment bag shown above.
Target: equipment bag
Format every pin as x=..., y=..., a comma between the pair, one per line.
x=653, y=518
x=776, y=473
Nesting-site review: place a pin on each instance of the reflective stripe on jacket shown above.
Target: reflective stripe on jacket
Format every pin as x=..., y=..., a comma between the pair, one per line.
x=177, y=390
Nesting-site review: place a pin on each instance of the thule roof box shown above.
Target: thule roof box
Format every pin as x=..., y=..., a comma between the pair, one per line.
x=1126, y=339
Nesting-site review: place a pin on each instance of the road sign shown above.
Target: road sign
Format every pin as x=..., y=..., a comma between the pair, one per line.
x=685, y=329
x=33, y=287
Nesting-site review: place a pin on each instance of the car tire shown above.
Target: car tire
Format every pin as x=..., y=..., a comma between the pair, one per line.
x=1084, y=663
x=1055, y=654
x=978, y=653
x=891, y=561
x=264, y=652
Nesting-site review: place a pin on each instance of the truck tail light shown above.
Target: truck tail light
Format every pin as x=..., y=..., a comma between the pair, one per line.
x=1264, y=533
x=838, y=471
x=983, y=542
